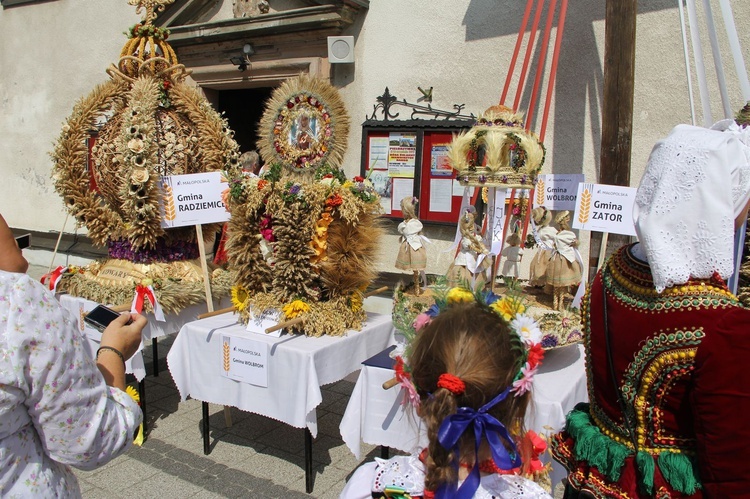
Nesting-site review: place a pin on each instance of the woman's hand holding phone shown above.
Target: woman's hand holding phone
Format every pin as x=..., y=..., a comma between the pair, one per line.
x=123, y=336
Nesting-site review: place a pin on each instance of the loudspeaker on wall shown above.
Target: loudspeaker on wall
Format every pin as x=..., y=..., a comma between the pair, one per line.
x=340, y=49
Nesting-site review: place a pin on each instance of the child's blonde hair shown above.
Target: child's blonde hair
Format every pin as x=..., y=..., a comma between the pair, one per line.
x=473, y=343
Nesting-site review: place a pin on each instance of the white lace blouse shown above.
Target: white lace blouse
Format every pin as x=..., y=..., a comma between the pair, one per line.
x=407, y=472
x=55, y=409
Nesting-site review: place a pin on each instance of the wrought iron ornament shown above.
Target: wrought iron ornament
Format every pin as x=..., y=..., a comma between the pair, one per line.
x=387, y=100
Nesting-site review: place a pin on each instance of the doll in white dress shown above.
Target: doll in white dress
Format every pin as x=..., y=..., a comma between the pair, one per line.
x=411, y=254
x=545, y=238
x=513, y=253
x=473, y=256
x=564, y=270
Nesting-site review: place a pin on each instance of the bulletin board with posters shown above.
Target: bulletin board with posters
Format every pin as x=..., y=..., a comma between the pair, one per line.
x=410, y=158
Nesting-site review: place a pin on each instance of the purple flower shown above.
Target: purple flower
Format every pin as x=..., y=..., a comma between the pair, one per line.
x=505, y=179
x=294, y=189
x=482, y=179
x=549, y=341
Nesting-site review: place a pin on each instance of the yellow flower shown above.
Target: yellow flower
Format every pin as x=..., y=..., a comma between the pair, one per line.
x=347, y=184
x=296, y=308
x=133, y=393
x=508, y=308
x=459, y=295
x=355, y=301
x=135, y=396
x=240, y=297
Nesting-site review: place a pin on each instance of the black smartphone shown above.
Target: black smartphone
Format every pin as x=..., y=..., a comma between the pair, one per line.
x=101, y=316
x=23, y=241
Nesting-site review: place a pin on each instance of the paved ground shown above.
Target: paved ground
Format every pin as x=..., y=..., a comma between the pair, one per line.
x=256, y=457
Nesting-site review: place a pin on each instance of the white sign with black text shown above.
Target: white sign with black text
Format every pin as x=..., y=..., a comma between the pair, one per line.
x=605, y=208
x=245, y=360
x=259, y=324
x=193, y=199
x=557, y=191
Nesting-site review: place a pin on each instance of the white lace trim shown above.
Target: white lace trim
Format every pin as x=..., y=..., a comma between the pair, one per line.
x=695, y=183
x=407, y=472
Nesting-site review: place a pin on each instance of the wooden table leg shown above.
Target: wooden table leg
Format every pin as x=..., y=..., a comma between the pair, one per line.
x=155, y=355
x=227, y=416
x=206, y=443
x=308, y=462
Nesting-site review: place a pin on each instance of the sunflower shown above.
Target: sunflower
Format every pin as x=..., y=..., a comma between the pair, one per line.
x=133, y=394
x=138, y=440
x=240, y=297
x=296, y=308
x=355, y=301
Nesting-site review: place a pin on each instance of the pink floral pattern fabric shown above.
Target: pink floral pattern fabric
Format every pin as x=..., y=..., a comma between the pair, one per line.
x=55, y=409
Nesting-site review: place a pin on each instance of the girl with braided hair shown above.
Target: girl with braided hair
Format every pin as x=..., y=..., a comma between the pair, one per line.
x=467, y=366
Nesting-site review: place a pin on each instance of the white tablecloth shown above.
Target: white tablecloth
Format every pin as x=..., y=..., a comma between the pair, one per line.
x=77, y=306
x=376, y=416
x=297, y=367
x=157, y=329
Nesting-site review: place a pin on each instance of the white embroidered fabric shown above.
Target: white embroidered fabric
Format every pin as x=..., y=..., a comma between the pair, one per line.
x=696, y=182
x=407, y=472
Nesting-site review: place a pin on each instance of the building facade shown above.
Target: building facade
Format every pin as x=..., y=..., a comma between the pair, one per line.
x=54, y=52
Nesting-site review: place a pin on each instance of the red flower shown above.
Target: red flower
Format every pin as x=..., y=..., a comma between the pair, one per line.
x=399, y=368
x=262, y=183
x=536, y=355
x=334, y=200
x=328, y=175
x=359, y=179
x=451, y=383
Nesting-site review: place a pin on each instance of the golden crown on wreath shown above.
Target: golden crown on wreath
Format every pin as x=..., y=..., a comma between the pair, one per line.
x=497, y=152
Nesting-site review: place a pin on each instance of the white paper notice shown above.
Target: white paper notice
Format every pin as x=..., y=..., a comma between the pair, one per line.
x=441, y=195
x=244, y=359
x=378, y=153
x=402, y=188
x=267, y=319
x=458, y=189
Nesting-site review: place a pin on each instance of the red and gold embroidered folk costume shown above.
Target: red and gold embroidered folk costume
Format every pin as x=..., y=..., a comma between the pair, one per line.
x=679, y=339
x=689, y=345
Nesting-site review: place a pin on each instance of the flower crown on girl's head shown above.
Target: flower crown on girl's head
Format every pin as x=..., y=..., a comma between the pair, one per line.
x=510, y=310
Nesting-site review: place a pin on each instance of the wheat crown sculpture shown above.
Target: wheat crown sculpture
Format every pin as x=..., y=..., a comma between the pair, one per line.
x=497, y=152
x=141, y=124
x=303, y=237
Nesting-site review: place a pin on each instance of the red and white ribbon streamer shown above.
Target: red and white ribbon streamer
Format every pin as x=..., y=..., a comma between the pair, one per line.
x=54, y=277
x=146, y=292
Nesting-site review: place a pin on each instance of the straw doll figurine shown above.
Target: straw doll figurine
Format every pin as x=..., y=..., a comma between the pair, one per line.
x=472, y=258
x=411, y=254
x=513, y=254
x=564, y=270
x=545, y=235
